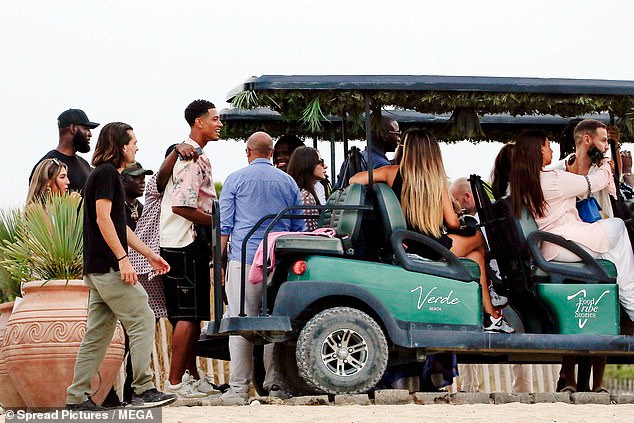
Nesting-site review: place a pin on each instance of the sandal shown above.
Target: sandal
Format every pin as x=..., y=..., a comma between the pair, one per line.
x=600, y=390
x=569, y=388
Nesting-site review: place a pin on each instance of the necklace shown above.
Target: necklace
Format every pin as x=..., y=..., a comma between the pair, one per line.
x=134, y=210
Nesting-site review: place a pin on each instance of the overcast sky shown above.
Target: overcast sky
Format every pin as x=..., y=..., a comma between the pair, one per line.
x=142, y=62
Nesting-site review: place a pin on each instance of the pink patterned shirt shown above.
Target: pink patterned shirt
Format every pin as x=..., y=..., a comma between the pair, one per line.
x=191, y=185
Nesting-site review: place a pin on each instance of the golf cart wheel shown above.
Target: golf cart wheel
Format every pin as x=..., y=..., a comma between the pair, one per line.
x=341, y=350
x=286, y=369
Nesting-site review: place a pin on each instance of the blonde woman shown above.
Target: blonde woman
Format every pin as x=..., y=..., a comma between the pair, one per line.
x=50, y=177
x=420, y=183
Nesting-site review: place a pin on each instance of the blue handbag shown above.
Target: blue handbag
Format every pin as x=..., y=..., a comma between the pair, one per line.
x=588, y=208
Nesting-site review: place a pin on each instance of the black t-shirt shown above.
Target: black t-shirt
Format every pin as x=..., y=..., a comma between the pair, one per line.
x=103, y=182
x=78, y=169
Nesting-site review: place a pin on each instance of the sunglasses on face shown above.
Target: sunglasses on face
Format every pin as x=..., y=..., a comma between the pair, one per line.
x=399, y=133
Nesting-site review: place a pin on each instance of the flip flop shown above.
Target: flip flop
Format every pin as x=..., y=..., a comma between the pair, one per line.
x=600, y=390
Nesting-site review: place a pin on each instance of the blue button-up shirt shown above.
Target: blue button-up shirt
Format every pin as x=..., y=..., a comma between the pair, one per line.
x=250, y=194
x=379, y=159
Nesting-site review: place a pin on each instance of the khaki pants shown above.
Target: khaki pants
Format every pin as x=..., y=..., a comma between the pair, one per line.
x=110, y=300
x=240, y=349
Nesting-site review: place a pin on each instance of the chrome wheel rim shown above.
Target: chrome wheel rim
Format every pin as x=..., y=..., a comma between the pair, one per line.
x=344, y=352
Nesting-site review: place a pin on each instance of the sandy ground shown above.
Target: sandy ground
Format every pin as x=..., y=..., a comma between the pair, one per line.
x=508, y=413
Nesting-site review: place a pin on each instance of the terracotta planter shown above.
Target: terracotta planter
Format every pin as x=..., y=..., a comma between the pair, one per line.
x=42, y=339
x=9, y=395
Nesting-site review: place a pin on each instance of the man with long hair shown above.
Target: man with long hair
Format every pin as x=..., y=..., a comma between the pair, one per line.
x=114, y=292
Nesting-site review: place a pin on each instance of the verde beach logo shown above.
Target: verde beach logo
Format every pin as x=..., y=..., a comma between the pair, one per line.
x=586, y=307
x=432, y=299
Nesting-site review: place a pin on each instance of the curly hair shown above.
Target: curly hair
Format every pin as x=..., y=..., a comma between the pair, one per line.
x=196, y=109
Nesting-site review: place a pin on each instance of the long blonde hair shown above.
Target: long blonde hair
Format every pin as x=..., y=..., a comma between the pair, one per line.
x=424, y=181
x=47, y=170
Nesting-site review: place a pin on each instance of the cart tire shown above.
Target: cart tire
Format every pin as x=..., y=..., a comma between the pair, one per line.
x=286, y=369
x=341, y=350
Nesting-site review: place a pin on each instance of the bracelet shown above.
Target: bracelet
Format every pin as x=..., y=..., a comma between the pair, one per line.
x=126, y=255
x=627, y=173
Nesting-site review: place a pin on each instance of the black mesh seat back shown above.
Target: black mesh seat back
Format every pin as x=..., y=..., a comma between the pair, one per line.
x=353, y=164
x=501, y=232
x=507, y=242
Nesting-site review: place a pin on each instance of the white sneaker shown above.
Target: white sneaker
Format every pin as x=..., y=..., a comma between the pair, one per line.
x=185, y=389
x=497, y=325
x=497, y=300
x=230, y=394
x=205, y=386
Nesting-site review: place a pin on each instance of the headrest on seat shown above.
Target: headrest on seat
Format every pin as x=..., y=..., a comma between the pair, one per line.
x=389, y=211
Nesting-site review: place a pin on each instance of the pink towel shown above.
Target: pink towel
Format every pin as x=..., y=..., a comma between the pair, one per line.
x=255, y=274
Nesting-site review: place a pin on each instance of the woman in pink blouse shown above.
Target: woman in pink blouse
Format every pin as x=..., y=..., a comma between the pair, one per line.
x=550, y=196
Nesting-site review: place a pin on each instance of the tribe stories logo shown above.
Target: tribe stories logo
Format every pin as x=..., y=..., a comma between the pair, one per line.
x=587, y=308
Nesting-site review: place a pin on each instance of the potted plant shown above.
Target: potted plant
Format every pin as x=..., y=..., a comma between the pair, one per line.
x=9, y=290
x=45, y=330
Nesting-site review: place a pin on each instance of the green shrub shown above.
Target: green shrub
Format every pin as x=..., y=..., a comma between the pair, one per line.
x=49, y=242
x=9, y=285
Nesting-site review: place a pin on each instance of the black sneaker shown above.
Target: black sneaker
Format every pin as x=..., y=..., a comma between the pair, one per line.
x=112, y=401
x=277, y=392
x=87, y=405
x=151, y=398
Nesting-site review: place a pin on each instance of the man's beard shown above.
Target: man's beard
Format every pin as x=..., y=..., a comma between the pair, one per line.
x=81, y=142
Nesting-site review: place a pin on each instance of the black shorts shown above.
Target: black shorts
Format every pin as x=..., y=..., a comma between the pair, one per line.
x=421, y=250
x=187, y=285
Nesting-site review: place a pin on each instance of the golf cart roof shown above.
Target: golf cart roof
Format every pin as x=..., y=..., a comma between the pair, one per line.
x=310, y=98
x=436, y=83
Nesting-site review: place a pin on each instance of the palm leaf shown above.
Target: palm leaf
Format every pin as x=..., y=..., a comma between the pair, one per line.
x=49, y=244
x=312, y=116
x=245, y=100
x=9, y=222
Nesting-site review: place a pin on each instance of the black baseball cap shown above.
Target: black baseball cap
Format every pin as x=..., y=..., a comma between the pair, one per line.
x=75, y=116
x=135, y=169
